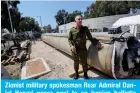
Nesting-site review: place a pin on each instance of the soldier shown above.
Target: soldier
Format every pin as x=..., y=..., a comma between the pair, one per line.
x=77, y=42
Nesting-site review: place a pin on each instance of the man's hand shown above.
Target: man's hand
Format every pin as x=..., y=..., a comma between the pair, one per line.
x=73, y=49
x=99, y=46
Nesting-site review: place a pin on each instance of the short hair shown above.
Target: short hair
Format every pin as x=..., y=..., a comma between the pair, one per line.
x=77, y=16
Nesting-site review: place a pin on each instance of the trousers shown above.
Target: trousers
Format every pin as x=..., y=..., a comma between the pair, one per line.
x=80, y=57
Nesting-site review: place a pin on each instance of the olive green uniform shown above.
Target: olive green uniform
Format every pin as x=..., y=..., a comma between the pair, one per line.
x=77, y=38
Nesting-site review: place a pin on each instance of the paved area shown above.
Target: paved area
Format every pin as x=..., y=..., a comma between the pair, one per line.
x=59, y=63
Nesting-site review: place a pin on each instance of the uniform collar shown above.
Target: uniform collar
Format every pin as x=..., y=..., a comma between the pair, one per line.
x=78, y=28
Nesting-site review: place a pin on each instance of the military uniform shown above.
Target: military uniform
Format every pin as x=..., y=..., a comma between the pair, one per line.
x=77, y=38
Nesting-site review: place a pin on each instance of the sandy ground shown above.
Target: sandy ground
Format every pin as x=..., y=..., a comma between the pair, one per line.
x=60, y=64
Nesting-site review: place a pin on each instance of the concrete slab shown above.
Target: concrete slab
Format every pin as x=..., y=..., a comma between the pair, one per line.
x=34, y=68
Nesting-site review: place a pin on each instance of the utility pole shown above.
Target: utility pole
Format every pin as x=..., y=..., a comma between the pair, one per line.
x=64, y=24
x=10, y=24
x=10, y=17
x=40, y=22
x=65, y=18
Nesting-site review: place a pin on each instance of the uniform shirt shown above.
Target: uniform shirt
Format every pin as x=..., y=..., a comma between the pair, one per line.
x=78, y=36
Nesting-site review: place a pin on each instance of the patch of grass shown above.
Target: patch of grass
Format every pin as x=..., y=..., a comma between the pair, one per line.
x=16, y=77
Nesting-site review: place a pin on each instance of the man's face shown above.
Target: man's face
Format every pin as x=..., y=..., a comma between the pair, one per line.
x=78, y=20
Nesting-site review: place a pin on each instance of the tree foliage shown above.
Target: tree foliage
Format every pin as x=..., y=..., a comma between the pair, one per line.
x=107, y=8
x=28, y=24
x=15, y=14
x=61, y=14
x=63, y=17
x=71, y=16
x=47, y=28
x=56, y=29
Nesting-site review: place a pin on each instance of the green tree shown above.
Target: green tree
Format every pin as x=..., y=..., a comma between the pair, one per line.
x=71, y=16
x=48, y=28
x=60, y=17
x=15, y=15
x=63, y=17
x=29, y=24
x=107, y=8
x=45, y=28
x=56, y=29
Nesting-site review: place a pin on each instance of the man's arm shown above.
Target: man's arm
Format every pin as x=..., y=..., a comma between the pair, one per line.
x=70, y=39
x=93, y=40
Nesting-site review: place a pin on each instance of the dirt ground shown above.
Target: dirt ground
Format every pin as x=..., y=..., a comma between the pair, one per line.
x=60, y=64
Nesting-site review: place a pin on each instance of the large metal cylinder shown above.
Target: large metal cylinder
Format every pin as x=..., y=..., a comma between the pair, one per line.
x=103, y=60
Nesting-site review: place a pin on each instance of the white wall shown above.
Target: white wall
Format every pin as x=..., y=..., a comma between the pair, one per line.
x=95, y=23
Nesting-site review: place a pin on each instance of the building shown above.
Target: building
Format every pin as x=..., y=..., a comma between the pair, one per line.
x=99, y=24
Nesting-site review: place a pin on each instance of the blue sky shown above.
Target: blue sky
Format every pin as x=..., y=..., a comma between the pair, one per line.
x=48, y=9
